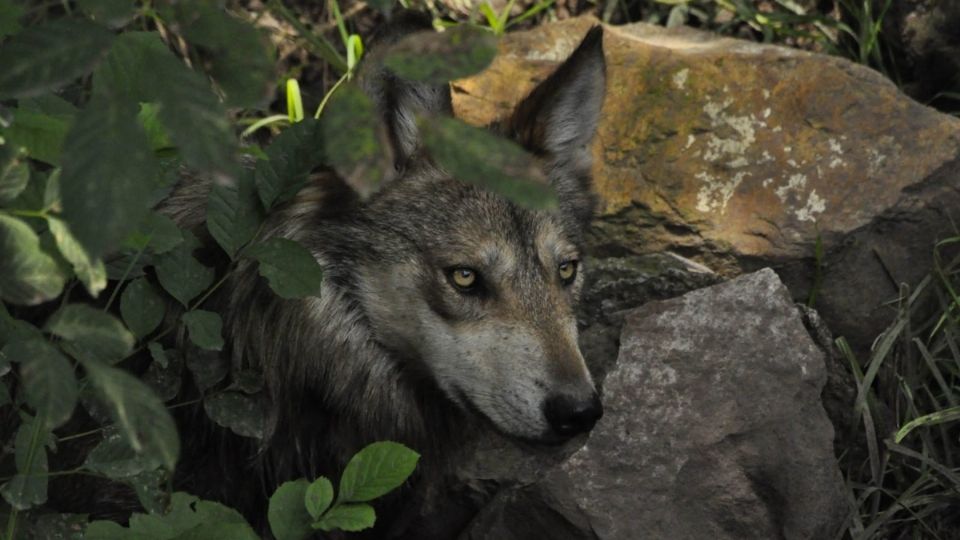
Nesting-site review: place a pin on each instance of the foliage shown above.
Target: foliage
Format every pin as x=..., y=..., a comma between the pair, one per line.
x=108, y=319
x=299, y=507
x=907, y=484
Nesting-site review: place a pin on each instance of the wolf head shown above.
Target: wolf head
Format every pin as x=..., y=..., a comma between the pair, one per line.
x=474, y=291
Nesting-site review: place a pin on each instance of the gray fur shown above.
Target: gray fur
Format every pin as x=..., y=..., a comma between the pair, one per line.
x=390, y=350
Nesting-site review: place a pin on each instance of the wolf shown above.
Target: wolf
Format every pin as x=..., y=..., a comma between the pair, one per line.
x=445, y=308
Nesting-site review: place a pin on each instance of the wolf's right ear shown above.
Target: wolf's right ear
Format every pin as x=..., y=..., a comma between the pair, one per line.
x=398, y=101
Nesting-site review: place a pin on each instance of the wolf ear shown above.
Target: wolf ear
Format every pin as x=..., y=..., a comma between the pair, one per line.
x=559, y=119
x=398, y=101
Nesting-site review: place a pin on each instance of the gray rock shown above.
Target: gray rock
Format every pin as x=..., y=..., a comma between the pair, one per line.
x=713, y=429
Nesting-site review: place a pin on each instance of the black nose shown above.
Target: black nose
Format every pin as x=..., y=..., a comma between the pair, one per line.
x=569, y=416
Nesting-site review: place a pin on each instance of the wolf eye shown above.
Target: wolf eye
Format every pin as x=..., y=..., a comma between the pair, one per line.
x=464, y=279
x=567, y=271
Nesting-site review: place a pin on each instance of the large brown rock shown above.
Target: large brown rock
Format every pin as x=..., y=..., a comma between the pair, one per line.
x=713, y=429
x=739, y=155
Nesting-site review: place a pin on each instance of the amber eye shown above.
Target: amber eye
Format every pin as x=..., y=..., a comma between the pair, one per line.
x=463, y=278
x=567, y=271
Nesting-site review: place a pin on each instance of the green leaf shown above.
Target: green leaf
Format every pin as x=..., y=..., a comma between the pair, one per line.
x=438, y=57
x=318, y=497
x=206, y=531
x=181, y=274
x=208, y=367
x=158, y=354
x=240, y=58
x=477, y=156
x=140, y=68
x=108, y=530
x=287, y=514
x=115, y=458
x=93, y=330
x=113, y=13
x=242, y=414
x=151, y=488
x=349, y=131
x=41, y=133
x=107, y=174
x=141, y=416
x=150, y=120
x=49, y=55
x=10, y=13
x=205, y=329
x=292, y=155
x=27, y=274
x=164, y=378
x=233, y=213
x=141, y=307
x=347, y=517
x=48, y=380
x=90, y=271
x=14, y=172
x=157, y=232
x=188, y=518
x=290, y=269
x=376, y=470
x=29, y=486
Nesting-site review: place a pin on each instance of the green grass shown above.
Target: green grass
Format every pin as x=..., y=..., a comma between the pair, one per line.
x=907, y=482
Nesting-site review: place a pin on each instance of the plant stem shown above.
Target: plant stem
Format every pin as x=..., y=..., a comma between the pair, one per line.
x=317, y=43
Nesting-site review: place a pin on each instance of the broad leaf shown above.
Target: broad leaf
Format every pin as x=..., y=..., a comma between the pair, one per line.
x=156, y=232
x=208, y=367
x=115, y=458
x=90, y=271
x=292, y=155
x=14, y=172
x=349, y=130
x=141, y=307
x=290, y=269
x=140, y=68
x=164, y=378
x=10, y=13
x=318, y=497
x=205, y=329
x=49, y=55
x=206, y=531
x=113, y=13
x=287, y=514
x=242, y=414
x=29, y=486
x=141, y=416
x=93, y=330
x=233, y=213
x=438, y=57
x=181, y=274
x=376, y=470
x=107, y=175
x=27, y=274
x=347, y=517
x=40, y=132
x=187, y=518
x=477, y=156
x=48, y=380
x=241, y=59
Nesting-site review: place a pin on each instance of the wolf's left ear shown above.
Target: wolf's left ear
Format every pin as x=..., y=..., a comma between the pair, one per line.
x=559, y=119
x=399, y=101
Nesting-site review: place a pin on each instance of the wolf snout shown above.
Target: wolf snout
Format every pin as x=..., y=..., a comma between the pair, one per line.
x=569, y=415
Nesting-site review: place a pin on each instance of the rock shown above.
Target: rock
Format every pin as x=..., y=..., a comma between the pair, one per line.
x=614, y=285
x=713, y=429
x=740, y=155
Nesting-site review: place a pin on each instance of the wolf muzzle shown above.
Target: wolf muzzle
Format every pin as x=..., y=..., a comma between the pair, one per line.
x=569, y=415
